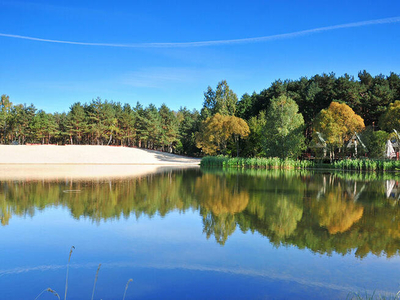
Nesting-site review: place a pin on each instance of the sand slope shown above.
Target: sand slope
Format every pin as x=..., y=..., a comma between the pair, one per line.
x=51, y=154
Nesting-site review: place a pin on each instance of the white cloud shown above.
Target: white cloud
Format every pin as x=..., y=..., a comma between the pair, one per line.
x=218, y=42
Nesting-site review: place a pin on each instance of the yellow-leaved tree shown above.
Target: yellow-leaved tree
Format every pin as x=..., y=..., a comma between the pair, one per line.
x=391, y=118
x=216, y=131
x=337, y=124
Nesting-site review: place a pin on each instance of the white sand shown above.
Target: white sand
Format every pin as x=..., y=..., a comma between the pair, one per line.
x=51, y=154
x=84, y=162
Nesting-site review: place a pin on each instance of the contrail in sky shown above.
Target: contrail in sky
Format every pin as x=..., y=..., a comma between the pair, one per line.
x=214, y=43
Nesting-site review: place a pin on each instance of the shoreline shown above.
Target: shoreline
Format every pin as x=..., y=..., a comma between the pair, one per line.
x=50, y=162
x=82, y=172
x=88, y=155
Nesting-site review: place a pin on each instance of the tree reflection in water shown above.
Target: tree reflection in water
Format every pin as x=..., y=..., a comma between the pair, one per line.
x=322, y=212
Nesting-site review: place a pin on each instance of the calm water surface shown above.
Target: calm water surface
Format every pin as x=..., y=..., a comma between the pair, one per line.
x=202, y=234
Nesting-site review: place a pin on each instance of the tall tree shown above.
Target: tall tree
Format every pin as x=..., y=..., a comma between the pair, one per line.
x=244, y=107
x=96, y=125
x=376, y=95
x=5, y=110
x=223, y=101
x=39, y=127
x=283, y=132
x=61, y=121
x=337, y=124
x=169, y=128
x=391, y=118
x=77, y=122
x=189, y=124
x=153, y=126
x=217, y=130
x=126, y=120
x=375, y=141
x=254, y=142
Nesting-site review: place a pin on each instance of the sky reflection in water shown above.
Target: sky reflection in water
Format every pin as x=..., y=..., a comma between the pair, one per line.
x=201, y=234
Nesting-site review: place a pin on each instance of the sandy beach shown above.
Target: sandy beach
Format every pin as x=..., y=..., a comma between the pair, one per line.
x=83, y=162
x=52, y=154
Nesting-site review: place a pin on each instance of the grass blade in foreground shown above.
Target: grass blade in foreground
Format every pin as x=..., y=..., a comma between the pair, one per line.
x=66, y=279
x=50, y=291
x=95, y=280
x=126, y=287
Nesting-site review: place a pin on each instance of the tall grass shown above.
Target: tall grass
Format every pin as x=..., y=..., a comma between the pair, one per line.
x=373, y=296
x=278, y=163
x=66, y=282
x=95, y=280
x=66, y=279
x=50, y=291
x=367, y=165
x=256, y=163
x=126, y=287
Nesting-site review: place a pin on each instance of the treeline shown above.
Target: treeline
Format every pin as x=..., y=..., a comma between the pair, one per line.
x=249, y=126
x=101, y=123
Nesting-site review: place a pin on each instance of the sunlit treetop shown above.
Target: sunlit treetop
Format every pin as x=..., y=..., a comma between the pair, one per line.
x=338, y=123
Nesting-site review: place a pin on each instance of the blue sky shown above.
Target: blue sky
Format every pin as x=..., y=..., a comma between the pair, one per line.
x=55, y=75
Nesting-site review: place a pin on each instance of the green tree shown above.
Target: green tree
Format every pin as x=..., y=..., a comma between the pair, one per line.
x=375, y=141
x=28, y=115
x=52, y=128
x=377, y=93
x=262, y=100
x=110, y=121
x=39, y=126
x=169, y=128
x=5, y=110
x=96, y=125
x=223, y=101
x=126, y=120
x=153, y=126
x=77, y=123
x=349, y=91
x=61, y=121
x=16, y=123
x=244, y=107
x=283, y=132
x=254, y=142
x=189, y=123
x=102, y=121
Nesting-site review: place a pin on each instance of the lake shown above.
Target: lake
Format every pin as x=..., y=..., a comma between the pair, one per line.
x=201, y=234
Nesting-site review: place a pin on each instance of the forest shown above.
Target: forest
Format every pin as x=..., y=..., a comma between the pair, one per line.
x=285, y=120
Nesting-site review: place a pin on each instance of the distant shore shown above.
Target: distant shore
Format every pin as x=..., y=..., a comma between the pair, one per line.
x=33, y=162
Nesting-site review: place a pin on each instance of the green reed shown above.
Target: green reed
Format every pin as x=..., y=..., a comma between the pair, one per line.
x=367, y=165
x=359, y=164
x=66, y=279
x=255, y=162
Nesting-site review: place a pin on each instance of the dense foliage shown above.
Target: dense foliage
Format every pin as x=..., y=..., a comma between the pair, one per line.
x=283, y=132
x=371, y=101
x=337, y=123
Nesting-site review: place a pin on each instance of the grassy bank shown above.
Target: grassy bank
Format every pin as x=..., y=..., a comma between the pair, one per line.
x=278, y=163
x=260, y=163
x=367, y=165
x=275, y=173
